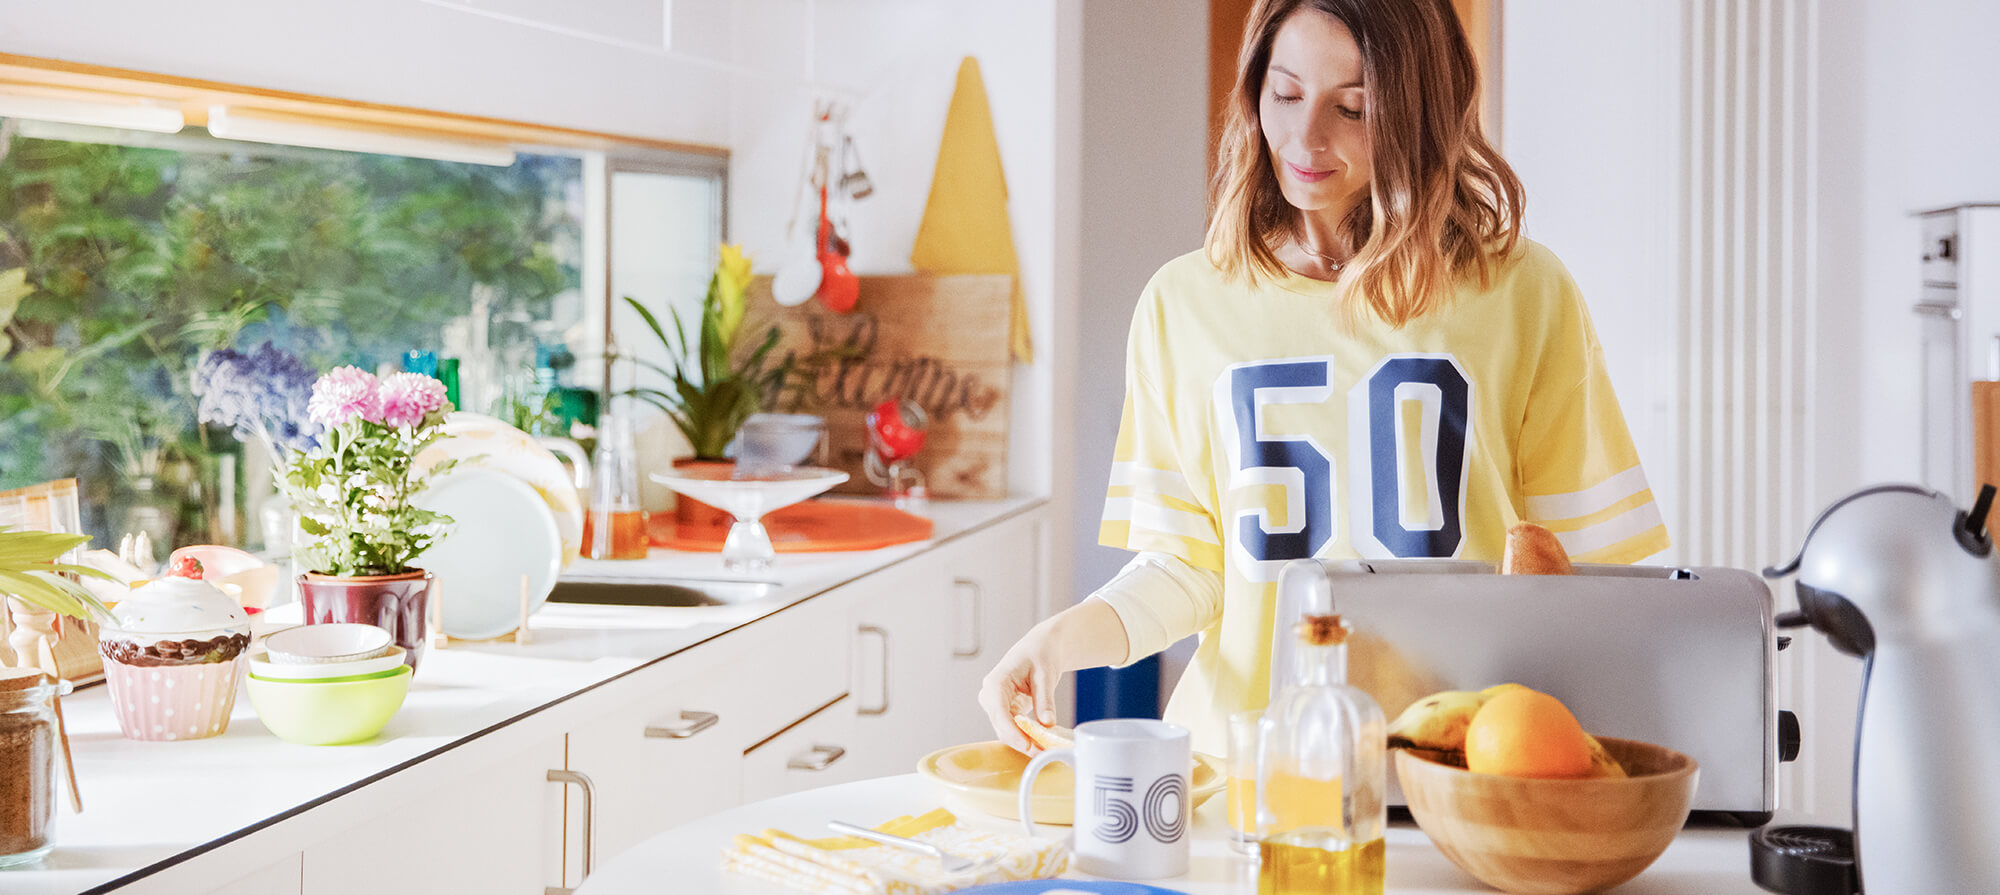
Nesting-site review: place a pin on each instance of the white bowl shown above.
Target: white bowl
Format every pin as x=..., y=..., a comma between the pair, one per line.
x=319, y=644
x=262, y=666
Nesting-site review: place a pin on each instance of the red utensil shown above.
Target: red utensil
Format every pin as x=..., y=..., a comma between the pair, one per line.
x=898, y=428
x=839, y=288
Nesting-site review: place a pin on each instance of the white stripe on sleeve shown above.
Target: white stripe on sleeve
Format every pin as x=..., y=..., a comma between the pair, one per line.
x=1617, y=528
x=1163, y=482
x=1575, y=504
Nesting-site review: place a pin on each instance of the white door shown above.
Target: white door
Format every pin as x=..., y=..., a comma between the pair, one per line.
x=493, y=827
x=997, y=578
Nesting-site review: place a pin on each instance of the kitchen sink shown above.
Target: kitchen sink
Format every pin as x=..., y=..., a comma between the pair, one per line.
x=718, y=593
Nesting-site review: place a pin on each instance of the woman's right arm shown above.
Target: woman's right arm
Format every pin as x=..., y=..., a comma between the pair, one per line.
x=1156, y=600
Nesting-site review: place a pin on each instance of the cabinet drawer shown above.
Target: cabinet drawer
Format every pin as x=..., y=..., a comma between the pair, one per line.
x=808, y=755
x=757, y=680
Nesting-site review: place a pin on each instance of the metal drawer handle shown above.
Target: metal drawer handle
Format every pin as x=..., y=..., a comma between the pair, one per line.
x=827, y=755
x=697, y=722
x=978, y=598
x=589, y=812
x=883, y=633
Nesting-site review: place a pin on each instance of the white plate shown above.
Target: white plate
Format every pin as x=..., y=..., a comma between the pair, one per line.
x=503, y=530
x=475, y=439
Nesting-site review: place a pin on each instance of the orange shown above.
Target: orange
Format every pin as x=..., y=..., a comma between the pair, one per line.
x=1526, y=733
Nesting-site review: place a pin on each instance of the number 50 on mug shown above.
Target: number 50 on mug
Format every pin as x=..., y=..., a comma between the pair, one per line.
x=1132, y=805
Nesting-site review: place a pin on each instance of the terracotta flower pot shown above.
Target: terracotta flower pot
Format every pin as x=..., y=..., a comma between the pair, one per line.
x=399, y=604
x=694, y=519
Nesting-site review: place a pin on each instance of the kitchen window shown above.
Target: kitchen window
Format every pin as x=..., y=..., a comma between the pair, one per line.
x=127, y=254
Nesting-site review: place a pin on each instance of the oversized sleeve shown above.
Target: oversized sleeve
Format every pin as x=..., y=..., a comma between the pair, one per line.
x=1579, y=470
x=1153, y=503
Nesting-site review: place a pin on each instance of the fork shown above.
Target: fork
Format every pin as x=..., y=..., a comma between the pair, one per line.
x=952, y=863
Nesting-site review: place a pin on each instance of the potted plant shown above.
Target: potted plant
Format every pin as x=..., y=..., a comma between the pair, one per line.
x=716, y=382
x=31, y=579
x=359, y=529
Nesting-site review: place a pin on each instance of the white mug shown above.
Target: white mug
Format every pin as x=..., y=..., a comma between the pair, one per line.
x=1130, y=813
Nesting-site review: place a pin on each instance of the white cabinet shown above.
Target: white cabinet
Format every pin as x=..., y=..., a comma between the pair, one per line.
x=901, y=624
x=997, y=579
x=651, y=759
x=818, y=751
x=492, y=827
x=859, y=681
x=665, y=744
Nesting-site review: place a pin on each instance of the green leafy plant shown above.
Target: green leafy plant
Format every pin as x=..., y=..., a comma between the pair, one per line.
x=354, y=491
x=716, y=385
x=29, y=573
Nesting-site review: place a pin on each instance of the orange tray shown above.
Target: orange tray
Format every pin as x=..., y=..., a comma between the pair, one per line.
x=810, y=527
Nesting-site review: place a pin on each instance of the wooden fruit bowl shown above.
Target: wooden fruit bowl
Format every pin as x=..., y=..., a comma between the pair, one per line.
x=1553, y=837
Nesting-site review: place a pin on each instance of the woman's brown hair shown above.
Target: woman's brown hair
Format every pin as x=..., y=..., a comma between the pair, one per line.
x=1443, y=203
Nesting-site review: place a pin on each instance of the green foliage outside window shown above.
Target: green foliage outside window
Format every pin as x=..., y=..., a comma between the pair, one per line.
x=132, y=262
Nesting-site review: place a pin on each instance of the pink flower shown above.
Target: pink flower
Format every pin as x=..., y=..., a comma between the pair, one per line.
x=409, y=397
x=343, y=394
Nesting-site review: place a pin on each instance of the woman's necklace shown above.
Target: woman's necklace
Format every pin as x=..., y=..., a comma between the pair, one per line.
x=1332, y=265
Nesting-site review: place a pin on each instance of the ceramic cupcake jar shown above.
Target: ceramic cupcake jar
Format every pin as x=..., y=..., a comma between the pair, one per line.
x=171, y=655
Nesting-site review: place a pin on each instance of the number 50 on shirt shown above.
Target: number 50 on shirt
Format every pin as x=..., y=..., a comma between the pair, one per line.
x=1405, y=476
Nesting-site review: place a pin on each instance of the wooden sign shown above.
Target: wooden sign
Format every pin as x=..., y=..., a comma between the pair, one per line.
x=940, y=341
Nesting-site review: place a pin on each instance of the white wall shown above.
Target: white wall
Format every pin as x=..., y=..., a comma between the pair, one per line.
x=1929, y=136
x=1141, y=199
x=603, y=65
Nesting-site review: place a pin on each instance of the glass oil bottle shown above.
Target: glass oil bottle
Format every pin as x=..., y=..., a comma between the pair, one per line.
x=1321, y=775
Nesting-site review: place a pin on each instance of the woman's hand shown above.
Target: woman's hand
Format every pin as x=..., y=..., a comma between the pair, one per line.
x=1086, y=635
x=1022, y=682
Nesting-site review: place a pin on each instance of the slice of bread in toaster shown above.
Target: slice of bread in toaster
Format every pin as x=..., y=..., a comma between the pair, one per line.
x=1533, y=550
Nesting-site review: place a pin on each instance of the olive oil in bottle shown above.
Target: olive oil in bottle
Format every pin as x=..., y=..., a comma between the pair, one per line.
x=1302, y=864
x=1321, y=773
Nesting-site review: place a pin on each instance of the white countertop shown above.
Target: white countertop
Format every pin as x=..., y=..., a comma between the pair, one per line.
x=148, y=803
x=1702, y=861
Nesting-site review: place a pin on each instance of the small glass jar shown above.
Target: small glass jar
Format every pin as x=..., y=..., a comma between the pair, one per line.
x=28, y=744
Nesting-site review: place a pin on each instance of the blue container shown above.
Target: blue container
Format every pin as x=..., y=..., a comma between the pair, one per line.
x=1129, y=692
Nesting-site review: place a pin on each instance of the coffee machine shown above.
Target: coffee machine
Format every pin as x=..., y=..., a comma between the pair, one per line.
x=1900, y=577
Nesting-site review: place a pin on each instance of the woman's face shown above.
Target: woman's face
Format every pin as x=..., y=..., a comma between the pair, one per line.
x=1313, y=114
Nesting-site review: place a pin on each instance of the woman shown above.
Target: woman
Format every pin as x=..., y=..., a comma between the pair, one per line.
x=1366, y=359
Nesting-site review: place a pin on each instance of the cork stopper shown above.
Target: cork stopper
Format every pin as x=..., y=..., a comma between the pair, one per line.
x=1322, y=630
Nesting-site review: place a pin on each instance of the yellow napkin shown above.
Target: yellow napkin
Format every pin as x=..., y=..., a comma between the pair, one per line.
x=850, y=866
x=965, y=228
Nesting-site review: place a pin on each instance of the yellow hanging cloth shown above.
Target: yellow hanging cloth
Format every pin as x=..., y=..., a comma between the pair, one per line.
x=965, y=227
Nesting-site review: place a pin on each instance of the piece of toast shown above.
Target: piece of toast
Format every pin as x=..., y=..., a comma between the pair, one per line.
x=1043, y=736
x=1534, y=550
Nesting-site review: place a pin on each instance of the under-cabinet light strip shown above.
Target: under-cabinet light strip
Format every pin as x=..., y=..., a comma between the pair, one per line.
x=230, y=123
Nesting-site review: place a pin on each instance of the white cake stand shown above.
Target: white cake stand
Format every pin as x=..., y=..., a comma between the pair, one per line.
x=748, y=549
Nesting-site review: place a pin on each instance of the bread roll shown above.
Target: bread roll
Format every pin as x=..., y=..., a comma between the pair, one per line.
x=1533, y=550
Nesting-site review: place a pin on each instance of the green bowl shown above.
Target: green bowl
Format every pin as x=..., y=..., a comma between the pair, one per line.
x=342, y=679
x=328, y=713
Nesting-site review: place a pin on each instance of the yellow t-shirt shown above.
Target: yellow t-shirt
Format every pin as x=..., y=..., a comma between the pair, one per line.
x=1260, y=427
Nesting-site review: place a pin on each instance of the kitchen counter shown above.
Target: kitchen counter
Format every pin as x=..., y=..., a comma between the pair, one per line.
x=152, y=805
x=1702, y=861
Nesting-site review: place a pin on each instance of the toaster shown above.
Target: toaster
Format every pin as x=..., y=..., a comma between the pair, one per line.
x=1681, y=657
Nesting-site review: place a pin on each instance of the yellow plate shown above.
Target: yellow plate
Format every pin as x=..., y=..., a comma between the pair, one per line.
x=986, y=777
